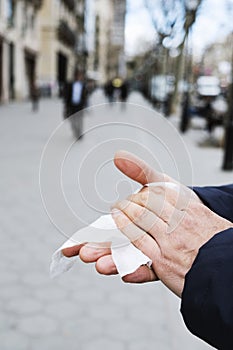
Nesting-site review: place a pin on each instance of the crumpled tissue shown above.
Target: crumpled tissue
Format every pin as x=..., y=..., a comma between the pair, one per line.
x=126, y=256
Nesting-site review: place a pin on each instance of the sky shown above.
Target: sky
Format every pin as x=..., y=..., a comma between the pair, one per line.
x=213, y=23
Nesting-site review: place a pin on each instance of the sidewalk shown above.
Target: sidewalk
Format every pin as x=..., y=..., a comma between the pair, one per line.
x=81, y=310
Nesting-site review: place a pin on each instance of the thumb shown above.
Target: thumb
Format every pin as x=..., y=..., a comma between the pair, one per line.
x=138, y=170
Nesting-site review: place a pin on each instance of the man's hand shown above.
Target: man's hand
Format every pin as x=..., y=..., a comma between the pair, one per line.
x=138, y=170
x=168, y=229
x=167, y=225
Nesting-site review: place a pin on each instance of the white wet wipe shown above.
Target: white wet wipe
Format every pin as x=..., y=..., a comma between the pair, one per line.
x=126, y=256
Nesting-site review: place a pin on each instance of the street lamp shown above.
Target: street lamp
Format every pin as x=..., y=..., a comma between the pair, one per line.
x=228, y=146
x=191, y=8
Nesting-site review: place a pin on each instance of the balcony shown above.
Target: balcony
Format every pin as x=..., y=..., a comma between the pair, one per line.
x=36, y=3
x=66, y=35
x=70, y=4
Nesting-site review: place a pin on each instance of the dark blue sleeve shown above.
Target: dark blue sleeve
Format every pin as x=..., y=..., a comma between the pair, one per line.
x=207, y=299
x=218, y=199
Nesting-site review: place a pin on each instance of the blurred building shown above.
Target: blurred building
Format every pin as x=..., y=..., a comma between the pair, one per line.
x=106, y=59
x=41, y=43
x=62, y=36
x=217, y=60
x=19, y=47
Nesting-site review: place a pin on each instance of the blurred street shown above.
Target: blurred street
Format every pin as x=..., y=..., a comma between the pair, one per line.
x=81, y=309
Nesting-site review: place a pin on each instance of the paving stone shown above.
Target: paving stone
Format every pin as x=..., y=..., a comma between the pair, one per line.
x=7, y=321
x=126, y=329
x=12, y=290
x=85, y=295
x=56, y=343
x=127, y=297
x=149, y=343
x=83, y=328
x=24, y=305
x=8, y=278
x=104, y=344
x=51, y=293
x=19, y=261
x=72, y=283
x=37, y=325
x=145, y=314
x=13, y=340
x=106, y=312
x=35, y=279
x=65, y=309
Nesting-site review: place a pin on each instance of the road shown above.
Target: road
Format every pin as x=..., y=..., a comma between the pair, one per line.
x=78, y=182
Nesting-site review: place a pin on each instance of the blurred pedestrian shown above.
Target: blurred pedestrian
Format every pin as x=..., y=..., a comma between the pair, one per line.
x=109, y=91
x=124, y=91
x=75, y=100
x=117, y=84
x=35, y=96
x=208, y=114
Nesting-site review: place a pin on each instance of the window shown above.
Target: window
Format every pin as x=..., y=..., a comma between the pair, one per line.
x=10, y=12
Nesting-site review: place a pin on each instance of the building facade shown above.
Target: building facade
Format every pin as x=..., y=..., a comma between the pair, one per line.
x=117, y=55
x=106, y=57
x=41, y=43
x=19, y=47
x=217, y=60
x=62, y=37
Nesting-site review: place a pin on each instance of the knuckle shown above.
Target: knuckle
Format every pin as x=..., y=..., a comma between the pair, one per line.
x=123, y=205
x=121, y=221
x=165, y=215
x=187, y=222
x=137, y=212
x=160, y=189
x=140, y=197
x=132, y=197
x=140, y=215
x=144, y=196
x=140, y=242
x=179, y=243
x=172, y=197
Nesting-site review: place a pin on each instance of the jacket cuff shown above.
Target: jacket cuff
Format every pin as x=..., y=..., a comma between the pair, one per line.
x=218, y=199
x=207, y=298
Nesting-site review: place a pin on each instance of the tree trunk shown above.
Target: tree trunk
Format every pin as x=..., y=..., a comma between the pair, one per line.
x=178, y=75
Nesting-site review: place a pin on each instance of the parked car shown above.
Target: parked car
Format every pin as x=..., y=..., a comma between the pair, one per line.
x=208, y=86
x=160, y=87
x=209, y=103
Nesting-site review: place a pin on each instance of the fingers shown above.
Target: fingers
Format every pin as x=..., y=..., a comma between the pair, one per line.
x=154, y=204
x=163, y=193
x=72, y=251
x=137, y=169
x=91, y=252
x=163, y=206
x=105, y=265
x=141, y=220
x=179, y=197
x=142, y=275
x=94, y=252
x=136, y=235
